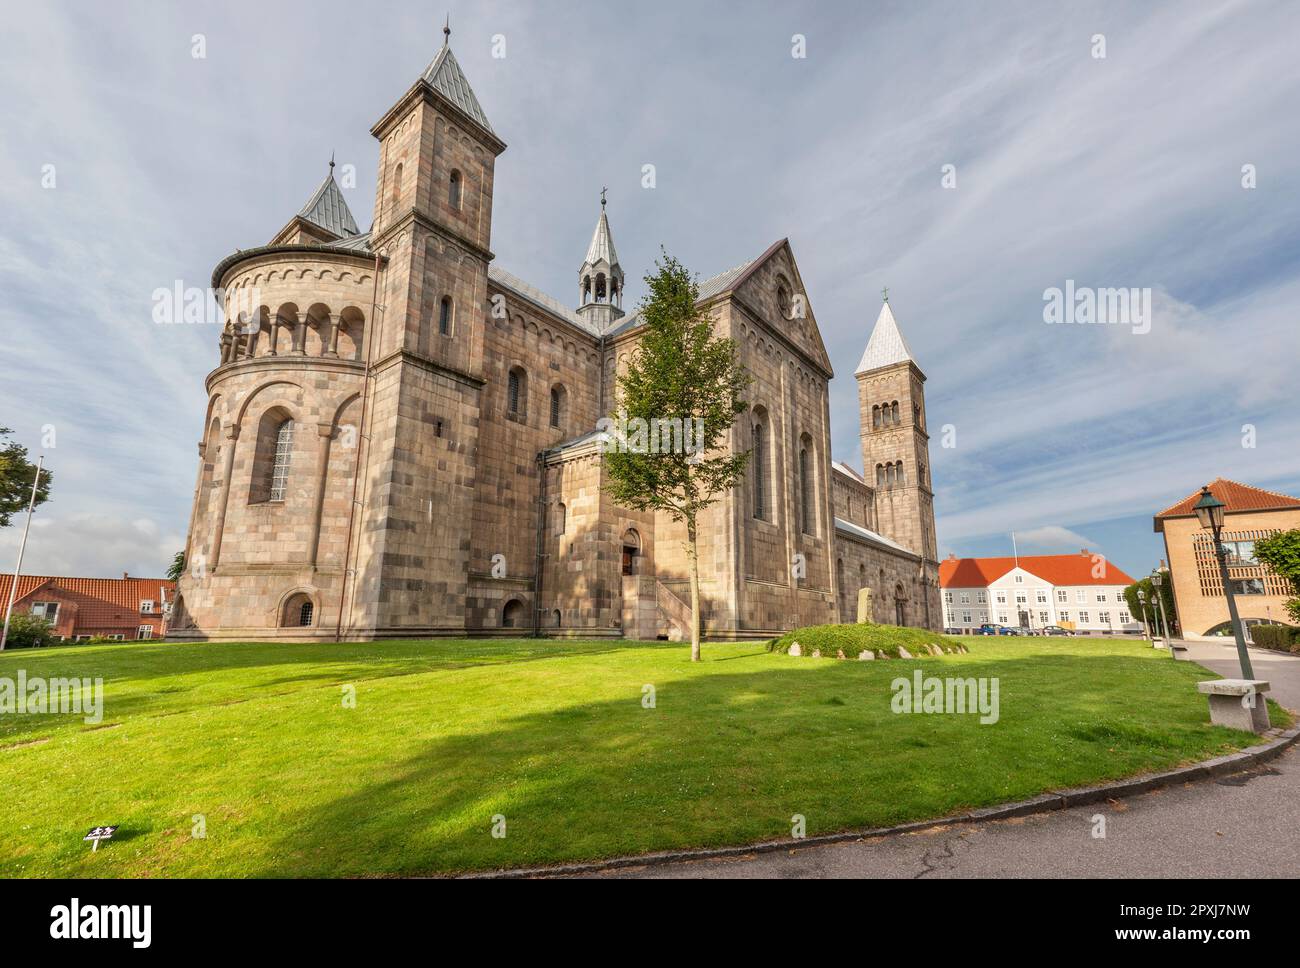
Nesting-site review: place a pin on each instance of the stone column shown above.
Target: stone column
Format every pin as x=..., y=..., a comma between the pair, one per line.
x=275, y=334
x=225, y=348
x=228, y=452
x=326, y=433
x=300, y=335
x=332, y=345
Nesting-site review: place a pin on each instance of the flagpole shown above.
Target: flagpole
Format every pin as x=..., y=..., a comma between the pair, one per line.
x=13, y=589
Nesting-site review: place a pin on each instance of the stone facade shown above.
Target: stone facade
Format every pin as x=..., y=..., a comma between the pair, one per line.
x=400, y=435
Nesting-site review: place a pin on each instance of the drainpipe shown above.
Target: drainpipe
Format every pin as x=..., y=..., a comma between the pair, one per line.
x=541, y=525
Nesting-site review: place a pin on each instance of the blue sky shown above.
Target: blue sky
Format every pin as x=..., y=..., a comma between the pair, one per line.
x=1117, y=171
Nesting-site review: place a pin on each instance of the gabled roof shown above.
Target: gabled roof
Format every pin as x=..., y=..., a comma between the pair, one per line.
x=847, y=471
x=532, y=294
x=328, y=209
x=1055, y=569
x=445, y=76
x=886, y=346
x=1237, y=497
x=602, y=243
x=101, y=602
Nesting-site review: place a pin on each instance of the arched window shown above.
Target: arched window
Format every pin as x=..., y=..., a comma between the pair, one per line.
x=880, y=475
x=916, y=414
x=272, y=457
x=890, y=474
x=556, y=618
x=444, y=316
x=299, y=611
x=304, y=613
x=517, y=392
x=893, y=407
x=875, y=416
x=806, y=516
x=759, y=459
x=453, y=190
x=600, y=287
x=561, y=518
x=901, y=473
x=586, y=290
x=558, y=395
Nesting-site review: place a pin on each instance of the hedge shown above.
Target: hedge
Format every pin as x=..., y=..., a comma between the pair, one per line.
x=1280, y=637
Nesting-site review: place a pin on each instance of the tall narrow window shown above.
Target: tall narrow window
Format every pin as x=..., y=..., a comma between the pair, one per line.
x=304, y=613
x=453, y=190
x=875, y=416
x=902, y=473
x=880, y=475
x=805, y=491
x=760, y=473
x=557, y=406
x=444, y=316
x=515, y=392
x=396, y=194
x=280, y=465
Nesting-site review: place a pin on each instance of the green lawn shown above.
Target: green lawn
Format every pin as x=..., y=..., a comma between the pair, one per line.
x=552, y=735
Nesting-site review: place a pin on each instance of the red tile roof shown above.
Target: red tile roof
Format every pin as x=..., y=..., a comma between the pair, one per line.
x=101, y=602
x=1056, y=569
x=1238, y=497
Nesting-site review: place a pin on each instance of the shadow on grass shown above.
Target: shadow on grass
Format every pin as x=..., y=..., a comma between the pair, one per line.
x=730, y=758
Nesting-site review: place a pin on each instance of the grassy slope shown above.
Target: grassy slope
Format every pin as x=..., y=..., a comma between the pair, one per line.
x=553, y=736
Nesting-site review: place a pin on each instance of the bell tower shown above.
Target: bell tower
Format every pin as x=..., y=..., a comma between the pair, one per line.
x=433, y=229
x=895, y=443
x=600, y=278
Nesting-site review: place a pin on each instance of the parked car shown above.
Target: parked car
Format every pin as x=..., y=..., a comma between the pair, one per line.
x=1012, y=630
x=1056, y=630
x=989, y=628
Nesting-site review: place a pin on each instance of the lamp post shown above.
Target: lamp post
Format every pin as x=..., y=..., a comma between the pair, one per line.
x=1146, y=626
x=1209, y=511
x=1158, y=579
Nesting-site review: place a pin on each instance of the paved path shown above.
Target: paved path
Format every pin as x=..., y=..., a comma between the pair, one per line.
x=1239, y=826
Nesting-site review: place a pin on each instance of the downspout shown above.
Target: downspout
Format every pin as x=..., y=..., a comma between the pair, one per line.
x=538, y=570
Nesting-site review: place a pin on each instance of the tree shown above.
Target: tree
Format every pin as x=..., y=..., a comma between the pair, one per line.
x=680, y=376
x=1153, y=607
x=28, y=631
x=177, y=567
x=1281, y=553
x=16, y=476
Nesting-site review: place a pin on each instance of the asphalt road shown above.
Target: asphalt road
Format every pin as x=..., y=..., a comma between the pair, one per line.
x=1247, y=825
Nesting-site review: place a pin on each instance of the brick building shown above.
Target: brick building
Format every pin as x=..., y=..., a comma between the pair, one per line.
x=1252, y=513
x=117, y=608
x=400, y=435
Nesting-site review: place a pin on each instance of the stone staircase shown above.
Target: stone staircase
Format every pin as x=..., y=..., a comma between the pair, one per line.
x=674, y=612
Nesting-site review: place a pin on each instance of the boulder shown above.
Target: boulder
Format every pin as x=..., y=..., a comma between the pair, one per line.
x=866, y=654
x=840, y=654
x=903, y=653
x=794, y=649
x=817, y=653
x=881, y=654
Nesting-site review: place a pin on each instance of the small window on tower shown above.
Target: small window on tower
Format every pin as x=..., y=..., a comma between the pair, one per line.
x=453, y=190
x=444, y=316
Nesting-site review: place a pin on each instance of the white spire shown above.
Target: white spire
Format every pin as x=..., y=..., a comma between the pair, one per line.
x=886, y=346
x=602, y=243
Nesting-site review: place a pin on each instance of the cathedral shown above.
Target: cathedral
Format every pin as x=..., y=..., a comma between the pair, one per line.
x=400, y=436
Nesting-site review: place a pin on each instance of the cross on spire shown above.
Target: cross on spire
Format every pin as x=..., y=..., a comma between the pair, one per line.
x=446, y=30
x=885, y=293
x=603, y=190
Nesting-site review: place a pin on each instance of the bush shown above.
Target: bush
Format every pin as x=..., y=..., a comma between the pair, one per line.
x=858, y=636
x=1280, y=637
x=29, y=632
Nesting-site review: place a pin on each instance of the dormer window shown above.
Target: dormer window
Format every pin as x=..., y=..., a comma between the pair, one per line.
x=146, y=606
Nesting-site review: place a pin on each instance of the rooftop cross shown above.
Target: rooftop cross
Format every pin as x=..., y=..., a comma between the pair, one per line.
x=885, y=293
x=446, y=29
x=603, y=190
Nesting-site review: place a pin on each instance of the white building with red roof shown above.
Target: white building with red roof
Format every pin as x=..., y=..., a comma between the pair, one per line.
x=1082, y=592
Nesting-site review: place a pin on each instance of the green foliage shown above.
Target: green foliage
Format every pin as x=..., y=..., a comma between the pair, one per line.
x=1281, y=553
x=680, y=371
x=16, y=476
x=28, y=631
x=177, y=567
x=1279, y=637
x=858, y=636
x=1153, y=607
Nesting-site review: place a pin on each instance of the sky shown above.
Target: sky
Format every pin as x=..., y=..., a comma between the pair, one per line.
x=129, y=163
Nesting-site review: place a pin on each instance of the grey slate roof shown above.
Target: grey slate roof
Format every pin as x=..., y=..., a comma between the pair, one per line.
x=327, y=208
x=359, y=242
x=709, y=288
x=865, y=534
x=538, y=298
x=602, y=243
x=886, y=345
x=445, y=76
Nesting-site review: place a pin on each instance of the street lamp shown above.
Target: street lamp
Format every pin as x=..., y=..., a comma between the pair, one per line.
x=1158, y=579
x=1146, y=626
x=1209, y=511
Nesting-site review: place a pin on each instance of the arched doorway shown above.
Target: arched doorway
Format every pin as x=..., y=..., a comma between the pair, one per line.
x=512, y=616
x=631, y=552
x=900, y=606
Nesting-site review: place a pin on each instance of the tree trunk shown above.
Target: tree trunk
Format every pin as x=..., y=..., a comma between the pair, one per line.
x=692, y=556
